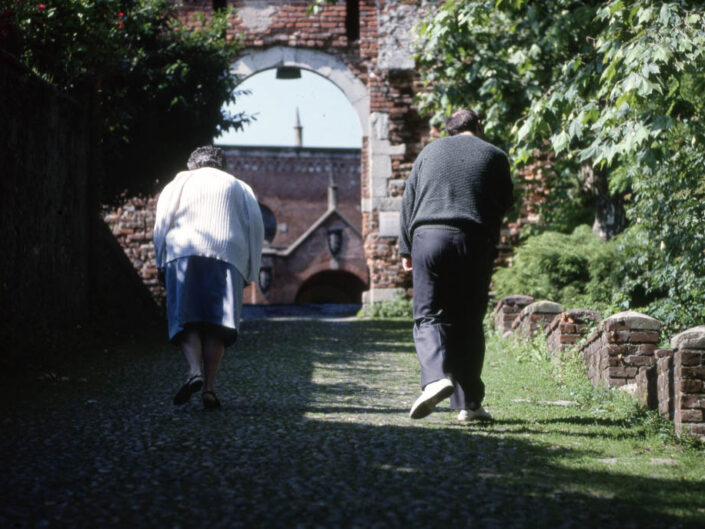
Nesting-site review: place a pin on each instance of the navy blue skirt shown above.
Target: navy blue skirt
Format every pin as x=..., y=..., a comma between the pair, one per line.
x=203, y=291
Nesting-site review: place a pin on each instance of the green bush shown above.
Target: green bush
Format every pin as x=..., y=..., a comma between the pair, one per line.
x=574, y=270
x=396, y=308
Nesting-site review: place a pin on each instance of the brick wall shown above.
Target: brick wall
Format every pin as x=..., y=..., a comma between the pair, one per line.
x=622, y=352
x=689, y=381
x=57, y=268
x=535, y=317
x=132, y=224
x=380, y=58
x=567, y=329
x=293, y=183
x=507, y=310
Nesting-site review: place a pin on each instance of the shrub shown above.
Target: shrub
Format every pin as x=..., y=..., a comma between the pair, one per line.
x=574, y=270
x=396, y=308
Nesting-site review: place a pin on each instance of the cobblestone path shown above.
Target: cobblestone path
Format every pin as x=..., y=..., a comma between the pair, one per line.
x=313, y=432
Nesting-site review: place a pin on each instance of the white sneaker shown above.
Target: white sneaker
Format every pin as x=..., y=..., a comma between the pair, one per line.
x=480, y=414
x=432, y=394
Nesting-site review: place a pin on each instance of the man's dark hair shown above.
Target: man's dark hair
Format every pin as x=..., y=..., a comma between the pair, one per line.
x=207, y=156
x=463, y=120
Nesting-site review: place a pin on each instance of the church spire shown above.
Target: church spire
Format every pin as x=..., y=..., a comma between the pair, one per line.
x=299, y=130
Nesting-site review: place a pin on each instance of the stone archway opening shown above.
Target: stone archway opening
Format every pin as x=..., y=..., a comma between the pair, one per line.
x=331, y=286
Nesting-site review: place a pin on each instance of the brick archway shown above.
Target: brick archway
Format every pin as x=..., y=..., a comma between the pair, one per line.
x=366, y=48
x=324, y=64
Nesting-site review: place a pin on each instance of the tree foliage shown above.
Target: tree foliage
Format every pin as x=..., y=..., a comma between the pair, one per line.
x=614, y=86
x=160, y=85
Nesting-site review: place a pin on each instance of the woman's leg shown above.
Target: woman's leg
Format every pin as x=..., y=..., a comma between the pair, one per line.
x=192, y=347
x=213, y=348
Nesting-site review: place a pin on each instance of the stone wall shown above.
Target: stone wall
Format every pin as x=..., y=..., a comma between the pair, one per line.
x=622, y=345
x=689, y=381
x=132, y=225
x=294, y=184
x=507, y=310
x=57, y=270
x=535, y=317
x=44, y=204
x=567, y=329
x=622, y=352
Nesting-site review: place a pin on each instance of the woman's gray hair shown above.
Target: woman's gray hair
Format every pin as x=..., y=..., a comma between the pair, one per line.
x=206, y=156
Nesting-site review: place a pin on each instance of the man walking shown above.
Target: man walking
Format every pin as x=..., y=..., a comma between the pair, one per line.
x=455, y=198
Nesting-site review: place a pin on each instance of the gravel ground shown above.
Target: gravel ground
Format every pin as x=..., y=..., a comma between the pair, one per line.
x=314, y=432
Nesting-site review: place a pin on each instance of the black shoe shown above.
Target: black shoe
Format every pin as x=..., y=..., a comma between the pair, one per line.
x=192, y=385
x=210, y=401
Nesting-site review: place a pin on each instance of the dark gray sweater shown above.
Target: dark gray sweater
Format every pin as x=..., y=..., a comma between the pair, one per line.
x=456, y=181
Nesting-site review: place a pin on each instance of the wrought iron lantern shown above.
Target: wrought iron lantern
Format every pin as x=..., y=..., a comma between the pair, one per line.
x=265, y=278
x=288, y=72
x=335, y=241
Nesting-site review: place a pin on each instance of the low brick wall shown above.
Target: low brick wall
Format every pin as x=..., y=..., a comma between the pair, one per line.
x=536, y=317
x=622, y=352
x=664, y=383
x=689, y=381
x=566, y=329
x=622, y=345
x=507, y=310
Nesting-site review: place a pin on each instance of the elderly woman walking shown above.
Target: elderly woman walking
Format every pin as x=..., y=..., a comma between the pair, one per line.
x=208, y=241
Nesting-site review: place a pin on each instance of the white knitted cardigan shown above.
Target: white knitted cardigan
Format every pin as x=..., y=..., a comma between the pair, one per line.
x=210, y=213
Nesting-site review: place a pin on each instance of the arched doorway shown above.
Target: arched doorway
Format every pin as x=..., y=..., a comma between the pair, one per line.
x=331, y=286
x=321, y=63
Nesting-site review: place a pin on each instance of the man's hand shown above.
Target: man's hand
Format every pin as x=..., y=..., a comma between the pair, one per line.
x=406, y=264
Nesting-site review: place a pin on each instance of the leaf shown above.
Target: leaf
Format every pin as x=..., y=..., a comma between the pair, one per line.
x=560, y=142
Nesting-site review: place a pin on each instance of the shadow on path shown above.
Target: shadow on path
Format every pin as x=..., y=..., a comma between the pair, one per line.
x=314, y=433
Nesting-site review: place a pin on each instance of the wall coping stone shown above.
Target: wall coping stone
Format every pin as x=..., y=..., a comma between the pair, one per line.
x=634, y=321
x=693, y=338
x=516, y=299
x=544, y=307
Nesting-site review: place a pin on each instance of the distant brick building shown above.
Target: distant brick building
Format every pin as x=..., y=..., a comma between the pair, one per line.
x=365, y=48
x=310, y=201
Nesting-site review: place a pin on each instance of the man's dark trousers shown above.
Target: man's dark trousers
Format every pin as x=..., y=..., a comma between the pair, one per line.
x=451, y=270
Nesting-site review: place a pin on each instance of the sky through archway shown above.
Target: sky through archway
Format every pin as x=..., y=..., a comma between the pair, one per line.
x=327, y=117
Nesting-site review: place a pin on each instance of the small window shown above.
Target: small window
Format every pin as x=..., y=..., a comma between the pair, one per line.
x=352, y=19
x=270, y=223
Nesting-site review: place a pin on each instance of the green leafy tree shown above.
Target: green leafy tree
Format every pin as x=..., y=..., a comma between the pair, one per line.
x=159, y=85
x=615, y=90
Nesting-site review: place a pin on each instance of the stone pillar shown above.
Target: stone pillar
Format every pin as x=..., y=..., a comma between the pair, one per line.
x=382, y=212
x=622, y=345
x=506, y=311
x=535, y=317
x=689, y=381
x=664, y=383
x=567, y=328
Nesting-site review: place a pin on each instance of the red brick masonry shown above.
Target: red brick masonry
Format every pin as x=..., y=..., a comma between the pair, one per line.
x=622, y=351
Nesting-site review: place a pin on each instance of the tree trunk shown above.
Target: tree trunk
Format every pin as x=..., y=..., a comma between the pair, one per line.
x=610, y=217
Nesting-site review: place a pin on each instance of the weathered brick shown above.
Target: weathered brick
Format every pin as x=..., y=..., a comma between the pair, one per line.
x=693, y=372
x=688, y=415
x=691, y=358
x=621, y=372
x=638, y=360
x=696, y=429
x=646, y=349
x=691, y=386
x=621, y=336
x=692, y=401
x=644, y=336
